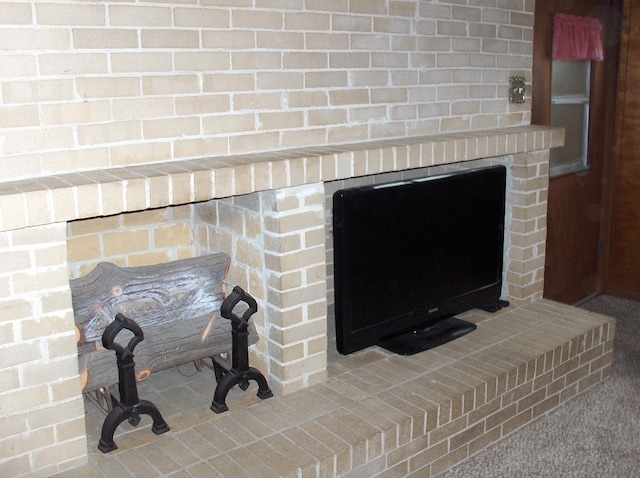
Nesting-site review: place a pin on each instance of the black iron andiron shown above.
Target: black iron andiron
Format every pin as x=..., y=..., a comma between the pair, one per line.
x=129, y=407
x=239, y=373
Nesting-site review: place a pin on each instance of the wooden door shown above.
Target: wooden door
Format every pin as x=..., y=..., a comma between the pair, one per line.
x=575, y=215
x=623, y=271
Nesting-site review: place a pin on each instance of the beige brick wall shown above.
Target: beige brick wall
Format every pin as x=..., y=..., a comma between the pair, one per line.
x=96, y=84
x=234, y=225
x=42, y=418
x=93, y=85
x=130, y=240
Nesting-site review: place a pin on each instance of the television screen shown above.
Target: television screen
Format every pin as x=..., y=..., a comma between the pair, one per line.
x=410, y=255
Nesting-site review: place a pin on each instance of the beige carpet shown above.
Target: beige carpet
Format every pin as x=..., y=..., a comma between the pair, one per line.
x=594, y=435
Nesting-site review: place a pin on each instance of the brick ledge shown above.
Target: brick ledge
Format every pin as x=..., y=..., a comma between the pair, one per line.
x=419, y=414
x=80, y=195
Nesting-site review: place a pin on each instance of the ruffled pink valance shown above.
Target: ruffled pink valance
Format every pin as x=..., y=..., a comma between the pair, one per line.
x=577, y=38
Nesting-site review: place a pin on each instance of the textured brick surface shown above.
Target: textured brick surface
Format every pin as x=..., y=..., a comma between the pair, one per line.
x=136, y=83
x=382, y=414
x=277, y=240
x=113, y=109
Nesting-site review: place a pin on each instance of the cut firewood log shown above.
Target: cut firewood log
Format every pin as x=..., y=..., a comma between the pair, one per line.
x=164, y=346
x=150, y=295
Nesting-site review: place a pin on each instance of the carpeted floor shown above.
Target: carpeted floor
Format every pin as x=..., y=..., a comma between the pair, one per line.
x=594, y=435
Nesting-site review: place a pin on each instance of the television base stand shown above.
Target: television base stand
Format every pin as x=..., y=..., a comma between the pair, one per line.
x=417, y=341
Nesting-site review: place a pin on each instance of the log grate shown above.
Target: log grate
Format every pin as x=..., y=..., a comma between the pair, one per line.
x=129, y=407
x=239, y=372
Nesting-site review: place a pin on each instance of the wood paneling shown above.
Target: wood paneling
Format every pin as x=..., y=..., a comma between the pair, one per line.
x=623, y=272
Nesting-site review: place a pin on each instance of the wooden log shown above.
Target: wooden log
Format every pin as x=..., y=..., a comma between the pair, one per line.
x=164, y=346
x=150, y=295
x=177, y=305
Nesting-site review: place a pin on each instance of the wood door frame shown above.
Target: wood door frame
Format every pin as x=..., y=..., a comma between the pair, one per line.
x=602, y=110
x=614, y=166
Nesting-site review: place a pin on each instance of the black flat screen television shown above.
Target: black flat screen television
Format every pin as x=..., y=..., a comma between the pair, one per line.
x=410, y=255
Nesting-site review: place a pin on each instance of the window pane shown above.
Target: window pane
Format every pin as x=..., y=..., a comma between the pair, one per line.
x=570, y=78
x=570, y=92
x=572, y=117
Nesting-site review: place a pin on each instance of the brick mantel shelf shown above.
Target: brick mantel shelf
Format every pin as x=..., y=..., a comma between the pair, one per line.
x=55, y=199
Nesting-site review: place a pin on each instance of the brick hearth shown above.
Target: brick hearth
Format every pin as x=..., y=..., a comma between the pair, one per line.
x=378, y=413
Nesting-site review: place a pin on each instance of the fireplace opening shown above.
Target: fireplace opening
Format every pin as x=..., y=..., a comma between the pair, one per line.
x=144, y=240
x=275, y=240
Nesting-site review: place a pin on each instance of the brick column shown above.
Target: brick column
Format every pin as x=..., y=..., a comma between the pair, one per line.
x=42, y=426
x=296, y=286
x=528, y=229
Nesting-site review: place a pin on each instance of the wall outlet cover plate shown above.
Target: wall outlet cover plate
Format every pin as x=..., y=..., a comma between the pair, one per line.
x=517, y=89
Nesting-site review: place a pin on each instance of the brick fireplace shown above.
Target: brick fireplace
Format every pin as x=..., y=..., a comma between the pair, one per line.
x=143, y=132
x=268, y=212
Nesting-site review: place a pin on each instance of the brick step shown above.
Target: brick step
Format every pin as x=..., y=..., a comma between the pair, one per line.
x=383, y=413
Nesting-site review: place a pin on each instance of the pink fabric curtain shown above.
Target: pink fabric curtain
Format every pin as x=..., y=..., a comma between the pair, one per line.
x=577, y=38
